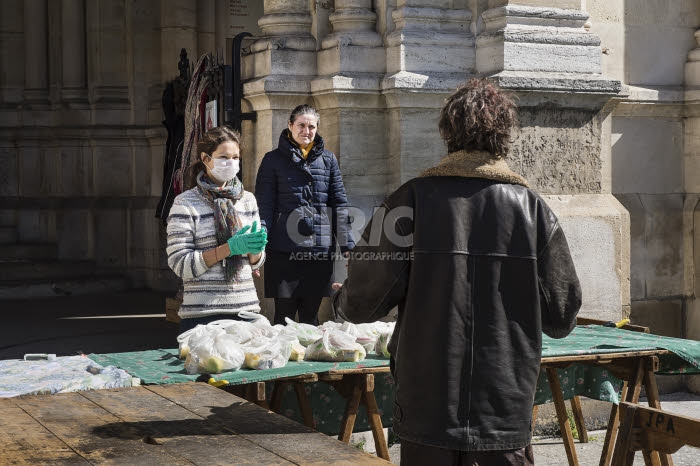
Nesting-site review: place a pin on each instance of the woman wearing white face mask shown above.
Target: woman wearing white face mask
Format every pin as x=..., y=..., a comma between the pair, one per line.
x=215, y=240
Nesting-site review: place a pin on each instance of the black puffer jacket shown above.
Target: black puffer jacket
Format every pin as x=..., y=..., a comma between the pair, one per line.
x=478, y=269
x=302, y=203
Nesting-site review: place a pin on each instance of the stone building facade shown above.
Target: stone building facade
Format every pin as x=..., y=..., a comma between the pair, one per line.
x=608, y=90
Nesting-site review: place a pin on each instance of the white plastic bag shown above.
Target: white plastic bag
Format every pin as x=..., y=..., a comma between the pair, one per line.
x=306, y=333
x=190, y=337
x=264, y=353
x=335, y=346
x=365, y=334
x=297, y=350
x=215, y=355
x=382, y=342
x=244, y=332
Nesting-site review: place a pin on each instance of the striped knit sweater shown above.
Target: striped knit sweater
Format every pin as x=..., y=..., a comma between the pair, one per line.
x=191, y=232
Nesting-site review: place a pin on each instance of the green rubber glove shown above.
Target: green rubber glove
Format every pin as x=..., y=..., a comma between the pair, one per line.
x=244, y=241
x=257, y=239
x=237, y=243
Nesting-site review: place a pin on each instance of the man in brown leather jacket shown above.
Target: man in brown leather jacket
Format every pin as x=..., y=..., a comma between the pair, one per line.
x=479, y=267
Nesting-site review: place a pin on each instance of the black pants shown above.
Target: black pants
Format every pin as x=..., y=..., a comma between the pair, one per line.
x=288, y=307
x=420, y=455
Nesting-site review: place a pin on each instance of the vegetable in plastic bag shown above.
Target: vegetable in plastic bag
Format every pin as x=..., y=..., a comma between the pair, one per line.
x=297, y=350
x=190, y=337
x=306, y=333
x=335, y=346
x=382, y=343
x=264, y=353
x=215, y=355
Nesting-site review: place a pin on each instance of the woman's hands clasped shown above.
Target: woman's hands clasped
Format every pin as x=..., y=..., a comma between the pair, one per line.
x=248, y=242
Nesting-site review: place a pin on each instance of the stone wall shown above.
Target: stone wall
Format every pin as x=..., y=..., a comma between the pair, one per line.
x=81, y=139
x=654, y=141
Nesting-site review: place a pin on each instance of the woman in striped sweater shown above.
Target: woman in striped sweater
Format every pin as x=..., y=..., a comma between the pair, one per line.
x=215, y=240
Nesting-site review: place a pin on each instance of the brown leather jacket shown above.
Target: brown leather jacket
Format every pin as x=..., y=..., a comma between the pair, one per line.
x=478, y=268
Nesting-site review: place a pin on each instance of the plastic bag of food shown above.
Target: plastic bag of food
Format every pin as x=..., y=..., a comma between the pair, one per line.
x=335, y=346
x=306, y=333
x=329, y=325
x=382, y=343
x=365, y=334
x=244, y=332
x=264, y=353
x=214, y=355
x=297, y=350
x=190, y=337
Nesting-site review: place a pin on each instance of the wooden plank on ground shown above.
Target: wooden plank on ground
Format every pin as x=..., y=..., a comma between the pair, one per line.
x=161, y=422
x=47, y=457
x=291, y=440
x=93, y=433
x=23, y=440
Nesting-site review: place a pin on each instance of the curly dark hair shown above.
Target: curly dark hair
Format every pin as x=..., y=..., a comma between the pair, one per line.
x=208, y=144
x=479, y=115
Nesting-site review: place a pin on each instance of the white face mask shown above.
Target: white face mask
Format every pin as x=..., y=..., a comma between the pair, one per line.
x=225, y=169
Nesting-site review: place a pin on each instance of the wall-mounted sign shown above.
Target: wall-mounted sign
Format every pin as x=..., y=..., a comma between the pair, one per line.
x=244, y=16
x=211, y=115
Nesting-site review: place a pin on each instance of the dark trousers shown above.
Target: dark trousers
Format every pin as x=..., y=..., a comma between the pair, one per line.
x=288, y=307
x=416, y=454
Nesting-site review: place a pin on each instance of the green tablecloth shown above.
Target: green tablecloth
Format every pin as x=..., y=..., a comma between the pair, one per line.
x=163, y=366
x=594, y=339
x=596, y=382
x=327, y=406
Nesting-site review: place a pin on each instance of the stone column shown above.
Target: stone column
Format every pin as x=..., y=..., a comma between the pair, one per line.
x=107, y=55
x=277, y=69
x=36, y=62
x=206, y=25
x=73, y=56
x=542, y=50
x=351, y=65
x=691, y=218
x=221, y=23
x=430, y=52
x=347, y=93
x=12, y=51
x=181, y=25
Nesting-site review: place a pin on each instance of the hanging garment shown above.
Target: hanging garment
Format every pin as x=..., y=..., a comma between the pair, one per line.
x=173, y=103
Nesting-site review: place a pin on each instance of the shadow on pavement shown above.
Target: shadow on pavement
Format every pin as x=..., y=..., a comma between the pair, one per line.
x=131, y=320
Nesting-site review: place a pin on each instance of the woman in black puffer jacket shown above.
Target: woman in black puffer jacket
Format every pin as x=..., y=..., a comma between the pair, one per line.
x=303, y=206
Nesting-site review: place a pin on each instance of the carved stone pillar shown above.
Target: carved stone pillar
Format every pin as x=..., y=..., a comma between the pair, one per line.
x=429, y=53
x=354, y=45
x=537, y=39
x=692, y=67
x=206, y=27
x=36, y=69
x=12, y=51
x=347, y=94
x=107, y=59
x=277, y=69
x=73, y=46
x=542, y=50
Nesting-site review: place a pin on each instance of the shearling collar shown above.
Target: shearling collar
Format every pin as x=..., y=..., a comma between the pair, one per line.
x=477, y=164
